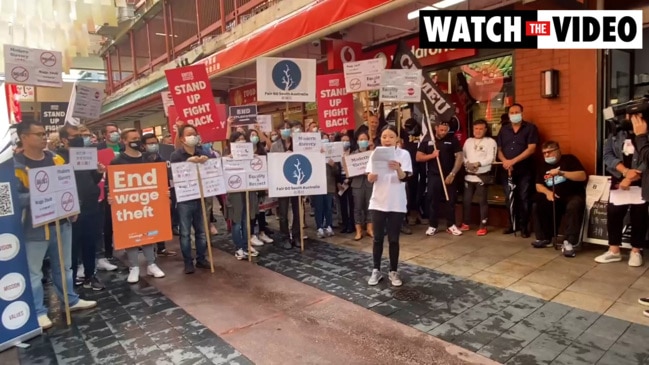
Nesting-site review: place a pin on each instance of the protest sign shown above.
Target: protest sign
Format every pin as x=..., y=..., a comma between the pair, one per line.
x=307, y=142
x=52, y=194
x=298, y=174
x=86, y=102
x=242, y=151
x=31, y=66
x=140, y=204
x=357, y=163
x=286, y=79
x=185, y=179
x=245, y=175
x=84, y=158
x=363, y=75
x=244, y=115
x=53, y=116
x=194, y=103
x=265, y=123
x=335, y=105
x=401, y=85
x=334, y=151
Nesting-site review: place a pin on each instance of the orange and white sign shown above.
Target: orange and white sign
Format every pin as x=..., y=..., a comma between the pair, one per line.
x=140, y=204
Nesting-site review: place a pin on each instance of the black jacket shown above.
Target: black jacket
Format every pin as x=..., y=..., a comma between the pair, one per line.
x=87, y=181
x=642, y=146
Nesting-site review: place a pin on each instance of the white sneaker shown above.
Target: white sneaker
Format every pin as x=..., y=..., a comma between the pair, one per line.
x=431, y=231
x=395, y=280
x=375, y=277
x=608, y=257
x=320, y=233
x=635, y=259
x=329, y=232
x=241, y=254
x=253, y=252
x=154, y=270
x=83, y=304
x=133, y=275
x=80, y=272
x=454, y=230
x=104, y=264
x=256, y=241
x=262, y=236
x=44, y=321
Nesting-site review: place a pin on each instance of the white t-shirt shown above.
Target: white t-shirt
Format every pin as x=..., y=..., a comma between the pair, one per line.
x=479, y=150
x=389, y=193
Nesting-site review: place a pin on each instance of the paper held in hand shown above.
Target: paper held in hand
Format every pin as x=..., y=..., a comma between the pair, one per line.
x=380, y=159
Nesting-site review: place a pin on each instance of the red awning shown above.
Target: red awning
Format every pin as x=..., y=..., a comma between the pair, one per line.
x=294, y=28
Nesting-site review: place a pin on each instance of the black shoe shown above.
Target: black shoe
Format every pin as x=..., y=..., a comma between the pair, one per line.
x=94, y=284
x=525, y=233
x=296, y=244
x=203, y=264
x=189, y=268
x=283, y=243
x=509, y=230
x=541, y=244
x=406, y=230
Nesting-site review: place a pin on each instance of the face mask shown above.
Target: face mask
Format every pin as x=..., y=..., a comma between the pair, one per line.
x=87, y=141
x=516, y=118
x=274, y=138
x=363, y=144
x=137, y=145
x=325, y=140
x=551, y=160
x=76, y=142
x=296, y=131
x=152, y=148
x=285, y=133
x=346, y=145
x=113, y=137
x=254, y=139
x=314, y=130
x=191, y=141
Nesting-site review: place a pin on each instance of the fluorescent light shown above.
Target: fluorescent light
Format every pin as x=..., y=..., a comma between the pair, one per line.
x=415, y=14
x=446, y=3
x=164, y=35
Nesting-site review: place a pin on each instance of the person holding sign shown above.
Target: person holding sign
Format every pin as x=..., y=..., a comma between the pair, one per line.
x=388, y=204
x=261, y=143
x=362, y=192
x=42, y=241
x=346, y=199
x=132, y=154
x=190, y=212
x=323, y=204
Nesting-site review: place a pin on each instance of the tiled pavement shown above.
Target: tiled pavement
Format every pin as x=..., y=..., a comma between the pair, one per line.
x=135, y=324
x=501, y=324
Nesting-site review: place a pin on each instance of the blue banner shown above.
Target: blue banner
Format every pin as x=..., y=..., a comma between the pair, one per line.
x=18, y=319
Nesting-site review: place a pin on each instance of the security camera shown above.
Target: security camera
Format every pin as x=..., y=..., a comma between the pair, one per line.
x=344, y=33
x=315, y=43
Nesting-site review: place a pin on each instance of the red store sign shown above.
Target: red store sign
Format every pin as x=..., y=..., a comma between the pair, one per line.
x=426, y=57
x=243, y=95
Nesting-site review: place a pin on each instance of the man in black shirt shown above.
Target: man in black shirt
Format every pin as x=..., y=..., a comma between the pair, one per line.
x=516, y=146
x=448, y=151
x=566, y=174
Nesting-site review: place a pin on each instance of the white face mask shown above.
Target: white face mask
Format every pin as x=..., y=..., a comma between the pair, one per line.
x=628, y=149
x=191, y=141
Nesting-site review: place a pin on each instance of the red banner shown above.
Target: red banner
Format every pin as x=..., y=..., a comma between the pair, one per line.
x=243, y=95
x=335, y=106
x=194, y=103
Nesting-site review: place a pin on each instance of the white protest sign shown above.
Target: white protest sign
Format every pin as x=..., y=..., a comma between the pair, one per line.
x=26, y=93
x=31, y=66
x=83, y=158
x=185, y=179
x=52, y=194
x=246, y=175
x=242, y=150
x=297, y=174
x=401, y=85
x=286, y=79
x=307, y=142
x=167, y=101
x=265, y=123
x=363, y=75
x=357, y=163
x=86, y=102
x=334, y=151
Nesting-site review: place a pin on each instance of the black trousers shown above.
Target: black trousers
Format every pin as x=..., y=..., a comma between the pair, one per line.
x=282, y=211
x=569, y=212
x=86, y=233
x=480, y=189
x=347, y=209
x=522, y=198
x=615, y=215
x=390, y=223
x=416, y=187
x=108, y=230
x=438, y=203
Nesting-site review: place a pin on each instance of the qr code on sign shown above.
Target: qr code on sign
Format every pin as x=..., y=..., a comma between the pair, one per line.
x=6, y=203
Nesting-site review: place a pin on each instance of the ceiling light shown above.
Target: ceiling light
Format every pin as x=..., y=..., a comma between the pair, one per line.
x=415, y=14
x=446, y=3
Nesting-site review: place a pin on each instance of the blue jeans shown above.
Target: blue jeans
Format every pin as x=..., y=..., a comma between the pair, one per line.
x=190, y=215
x=323, y=210
x=240, y=232
x=36, y=252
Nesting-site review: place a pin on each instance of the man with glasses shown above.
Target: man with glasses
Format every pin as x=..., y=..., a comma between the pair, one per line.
x=560, y=182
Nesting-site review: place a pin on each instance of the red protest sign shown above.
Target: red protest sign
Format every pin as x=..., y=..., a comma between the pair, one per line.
x=335, y=106
x=194, y=103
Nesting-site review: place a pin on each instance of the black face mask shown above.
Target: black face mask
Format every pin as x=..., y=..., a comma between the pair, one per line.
x=137, y=145
x=76, y=142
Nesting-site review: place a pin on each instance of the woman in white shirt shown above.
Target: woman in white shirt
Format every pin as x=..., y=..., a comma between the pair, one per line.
x=388, y=204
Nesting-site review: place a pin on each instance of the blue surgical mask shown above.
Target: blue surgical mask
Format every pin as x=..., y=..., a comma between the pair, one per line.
x=86, y=141
x=285, y=133
x=551, y=160
x=346, y=145
x=325, y=140
x=254, y=139
x=363, y=144
x=516, y=118
x=114, y=137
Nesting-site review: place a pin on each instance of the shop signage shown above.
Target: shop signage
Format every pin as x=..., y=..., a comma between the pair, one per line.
x=286, y=79
x=53, y=116
x=191, y=91
x=340, y=52
x=335, y=105
x=26, y=92
x=244, y=114
x=167, y=101
x=243, y=95
x=31, y=66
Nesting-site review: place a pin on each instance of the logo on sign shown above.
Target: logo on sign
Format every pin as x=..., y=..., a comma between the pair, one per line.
x=297, y=169
x=67, y=201
x=42, y=181
x=256, y=164
x=20, y=74
x=355, y=84
x=286, y=75
x=411, y=91
x=347, y=54
x=235, y=182
x=48, y=59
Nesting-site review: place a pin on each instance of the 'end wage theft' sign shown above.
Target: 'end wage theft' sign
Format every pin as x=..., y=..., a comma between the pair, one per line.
x=244, y=115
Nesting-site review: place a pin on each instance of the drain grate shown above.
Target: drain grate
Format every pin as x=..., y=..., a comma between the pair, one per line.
x=407, y=295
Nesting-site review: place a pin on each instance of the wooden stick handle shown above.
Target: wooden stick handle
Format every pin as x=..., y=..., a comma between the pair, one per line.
x=206, y=225
x=64, y=281
x=432, y=139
